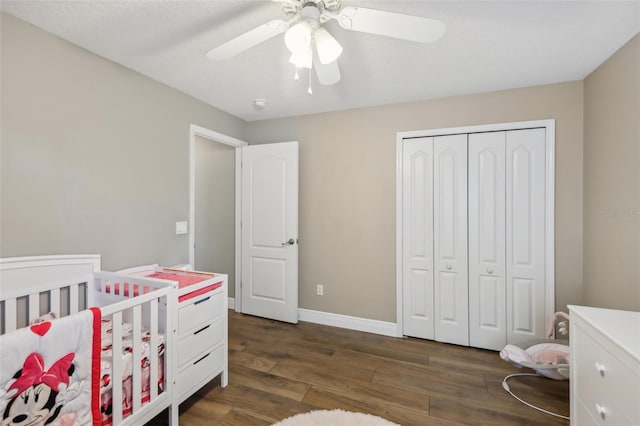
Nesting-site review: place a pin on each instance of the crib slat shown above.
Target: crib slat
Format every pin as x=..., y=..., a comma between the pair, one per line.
x=137, y=358
x=10, y=314
x=54, y=301
x=153, y=349
x=34, y=306
x=117, y=368
x=73, y=299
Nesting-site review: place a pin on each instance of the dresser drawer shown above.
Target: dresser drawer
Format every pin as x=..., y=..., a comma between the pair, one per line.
x=199, y=311
x=196, y=342
x=200, y=371
x=607, y=388
x=582, y=416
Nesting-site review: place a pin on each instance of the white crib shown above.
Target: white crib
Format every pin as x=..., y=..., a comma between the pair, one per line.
x=66, y=285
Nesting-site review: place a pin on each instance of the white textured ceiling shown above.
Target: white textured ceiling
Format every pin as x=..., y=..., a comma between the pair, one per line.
x=489, y=45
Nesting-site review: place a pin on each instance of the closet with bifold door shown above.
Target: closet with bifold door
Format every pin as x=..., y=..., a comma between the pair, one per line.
x=476, y=224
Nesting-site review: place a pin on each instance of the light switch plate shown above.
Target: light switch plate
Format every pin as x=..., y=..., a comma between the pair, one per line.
x=181, y=228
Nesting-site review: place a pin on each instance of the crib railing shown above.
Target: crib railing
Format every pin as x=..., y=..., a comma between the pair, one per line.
x=33, y=286
x=63, y=299
x=152, y=310
x=145, y=312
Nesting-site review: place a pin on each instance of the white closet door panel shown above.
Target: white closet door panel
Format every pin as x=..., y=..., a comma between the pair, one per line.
x=525, y=239
x=487, y=293
x=450, y=242
x=523, y=296
x=448, y=286
x=490, y=309
x=417, y=237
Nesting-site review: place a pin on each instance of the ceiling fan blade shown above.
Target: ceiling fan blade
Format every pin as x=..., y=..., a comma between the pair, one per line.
x=390, y=24
x=328, y=74
x=247, y=40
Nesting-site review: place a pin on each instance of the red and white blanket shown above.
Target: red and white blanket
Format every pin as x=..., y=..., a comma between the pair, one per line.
x=50, y=372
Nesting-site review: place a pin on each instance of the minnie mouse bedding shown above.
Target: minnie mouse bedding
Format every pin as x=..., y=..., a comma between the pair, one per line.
x=57, y=372
x=50, y=372
x=106, y=379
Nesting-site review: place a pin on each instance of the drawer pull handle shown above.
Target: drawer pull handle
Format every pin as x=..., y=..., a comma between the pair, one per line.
x=202, y=329
x=600, y=368
x=201, y=358
x=601, y=411
x=203, y=300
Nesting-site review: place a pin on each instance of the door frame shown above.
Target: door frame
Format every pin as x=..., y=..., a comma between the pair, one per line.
x=214, y=136
x=550, y=145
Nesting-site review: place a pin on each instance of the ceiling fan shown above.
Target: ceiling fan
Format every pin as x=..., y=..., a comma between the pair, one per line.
x=312, y=46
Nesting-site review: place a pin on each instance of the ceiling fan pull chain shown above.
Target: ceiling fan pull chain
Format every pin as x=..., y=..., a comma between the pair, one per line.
x=309, y=91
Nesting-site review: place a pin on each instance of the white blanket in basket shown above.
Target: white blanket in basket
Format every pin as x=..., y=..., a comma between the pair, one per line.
x=50, y=372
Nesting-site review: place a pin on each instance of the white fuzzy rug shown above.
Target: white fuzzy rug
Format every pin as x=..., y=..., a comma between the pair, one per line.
x=334, y=418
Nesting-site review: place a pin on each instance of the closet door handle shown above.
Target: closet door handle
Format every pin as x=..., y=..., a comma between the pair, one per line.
x=489, y=271
x=448, y=267
x=289, y=243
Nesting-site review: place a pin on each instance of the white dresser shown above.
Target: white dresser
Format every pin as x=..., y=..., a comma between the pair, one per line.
x=201, y=335
x=200, y=326
x=605, y=366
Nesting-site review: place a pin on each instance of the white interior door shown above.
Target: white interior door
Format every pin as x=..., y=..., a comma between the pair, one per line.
x=270, y=231
x=487, y=296
x=417, y=237
x=451, y=289
x=525, y=234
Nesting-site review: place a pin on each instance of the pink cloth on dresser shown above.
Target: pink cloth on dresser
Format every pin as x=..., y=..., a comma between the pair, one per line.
x=183, y=280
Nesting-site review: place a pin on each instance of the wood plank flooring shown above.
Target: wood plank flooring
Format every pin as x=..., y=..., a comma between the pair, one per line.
x=277, y=370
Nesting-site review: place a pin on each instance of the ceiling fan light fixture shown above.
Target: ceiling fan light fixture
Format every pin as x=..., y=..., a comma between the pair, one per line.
x=303, y=59
x=327, y=46
x=298, y=38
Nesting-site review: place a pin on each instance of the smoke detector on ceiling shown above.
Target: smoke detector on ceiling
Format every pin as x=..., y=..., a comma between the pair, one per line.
x=260, y=104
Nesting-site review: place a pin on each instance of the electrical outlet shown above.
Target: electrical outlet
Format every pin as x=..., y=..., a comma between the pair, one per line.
x=319, y=290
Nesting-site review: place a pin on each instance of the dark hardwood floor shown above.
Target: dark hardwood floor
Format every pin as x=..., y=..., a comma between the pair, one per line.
x=277, y=370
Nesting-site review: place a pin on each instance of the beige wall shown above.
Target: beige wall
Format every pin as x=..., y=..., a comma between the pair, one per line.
x=215, y=208
x=612, y=181
x=94, y=156
x=347, y=189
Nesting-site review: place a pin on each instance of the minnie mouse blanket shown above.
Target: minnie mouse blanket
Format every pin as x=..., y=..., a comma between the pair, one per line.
x=50, y=372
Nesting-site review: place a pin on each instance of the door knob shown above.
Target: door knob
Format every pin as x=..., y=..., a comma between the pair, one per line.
x=449, y=267
x=289, y=243
x=489, y=271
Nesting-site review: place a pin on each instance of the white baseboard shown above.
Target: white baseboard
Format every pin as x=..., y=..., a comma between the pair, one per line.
x=343, y=321
x=352, y=323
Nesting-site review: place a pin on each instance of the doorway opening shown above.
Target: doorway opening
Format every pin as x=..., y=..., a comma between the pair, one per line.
x=214, y=205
